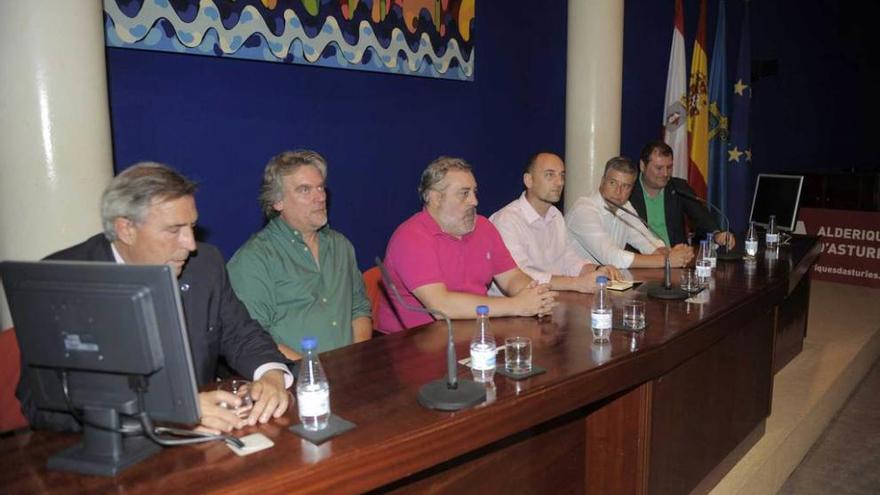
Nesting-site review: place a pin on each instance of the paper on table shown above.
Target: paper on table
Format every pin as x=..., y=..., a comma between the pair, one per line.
x=254, y=442
x=621, y=284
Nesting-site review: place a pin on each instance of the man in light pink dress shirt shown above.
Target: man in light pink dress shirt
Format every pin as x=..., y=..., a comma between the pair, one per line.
x=534, y=230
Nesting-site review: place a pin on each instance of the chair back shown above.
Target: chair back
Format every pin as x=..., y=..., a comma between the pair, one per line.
x=373, y=286
x=10, y=369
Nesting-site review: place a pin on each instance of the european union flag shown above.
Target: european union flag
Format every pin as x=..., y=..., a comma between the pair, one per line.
x=739, y=152
x=718, y=112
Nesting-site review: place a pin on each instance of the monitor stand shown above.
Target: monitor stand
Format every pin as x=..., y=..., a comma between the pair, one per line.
x=103, y=452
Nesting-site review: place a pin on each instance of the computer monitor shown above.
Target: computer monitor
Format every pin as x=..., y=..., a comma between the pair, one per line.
x=109, y=342
x=776, y=195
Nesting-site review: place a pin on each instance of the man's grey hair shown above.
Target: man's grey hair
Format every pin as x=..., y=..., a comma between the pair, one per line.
x=621, y=164
x=436, y=172
x=131, y=193
x=280, y=166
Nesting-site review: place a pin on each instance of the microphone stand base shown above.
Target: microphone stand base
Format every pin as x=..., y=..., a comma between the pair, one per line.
x=662, y=292
x=437, y=395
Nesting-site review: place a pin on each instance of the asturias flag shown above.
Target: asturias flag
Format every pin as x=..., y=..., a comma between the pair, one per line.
x=698, y=111
x=739, y=153
x=718, y=112
x=675, y=111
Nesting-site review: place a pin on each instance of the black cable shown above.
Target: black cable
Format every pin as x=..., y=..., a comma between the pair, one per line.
x=65, y=387
x=146, y=423
x=195, y=437
x=153, y=432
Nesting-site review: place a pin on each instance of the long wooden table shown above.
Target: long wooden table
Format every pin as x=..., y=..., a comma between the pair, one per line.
x=664, y=411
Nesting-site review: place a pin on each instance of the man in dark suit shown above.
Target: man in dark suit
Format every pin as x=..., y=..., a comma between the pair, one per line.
x=148, y=214
x=656, y=197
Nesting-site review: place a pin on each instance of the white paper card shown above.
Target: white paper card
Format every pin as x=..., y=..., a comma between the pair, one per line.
x=254, y=442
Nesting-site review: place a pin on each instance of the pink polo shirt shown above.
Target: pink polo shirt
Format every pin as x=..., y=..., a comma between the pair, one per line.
x=419, y=253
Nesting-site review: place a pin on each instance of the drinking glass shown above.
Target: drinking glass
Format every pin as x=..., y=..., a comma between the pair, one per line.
x=241, y=389
x=689, y=281
x=518, y=354
x=751, y=242
x=634, y=315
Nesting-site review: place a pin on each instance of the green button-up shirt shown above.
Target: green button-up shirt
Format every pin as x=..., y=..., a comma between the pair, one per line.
x=276, y=277
x=656, y=209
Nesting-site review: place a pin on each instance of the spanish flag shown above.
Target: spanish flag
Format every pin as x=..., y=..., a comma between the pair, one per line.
x=698, y=111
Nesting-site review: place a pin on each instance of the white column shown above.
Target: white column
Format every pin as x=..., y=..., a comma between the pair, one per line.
x=55, y=148
x=592, y=92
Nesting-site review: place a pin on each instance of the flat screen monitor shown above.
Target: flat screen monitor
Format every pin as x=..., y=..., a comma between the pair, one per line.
x=776, y=195
x=109, y=342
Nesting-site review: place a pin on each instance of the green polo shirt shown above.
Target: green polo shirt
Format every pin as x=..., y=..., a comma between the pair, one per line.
x=656, y=208
x=276, y=277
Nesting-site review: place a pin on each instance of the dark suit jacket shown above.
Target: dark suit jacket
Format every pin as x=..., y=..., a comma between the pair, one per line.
x=218, y=323
x=677, y=208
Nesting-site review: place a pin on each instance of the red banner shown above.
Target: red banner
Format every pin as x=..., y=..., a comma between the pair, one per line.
x=851, y=245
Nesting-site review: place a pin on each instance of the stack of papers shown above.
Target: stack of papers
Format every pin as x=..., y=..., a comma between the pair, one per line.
x=620, y=284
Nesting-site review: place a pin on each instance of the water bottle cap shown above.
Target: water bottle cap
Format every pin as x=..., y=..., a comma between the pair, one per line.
x=710, y=236
x=309, y=343
x=482, y=310
x=601, y=279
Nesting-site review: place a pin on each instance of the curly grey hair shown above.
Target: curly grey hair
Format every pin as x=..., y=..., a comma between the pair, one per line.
x=280, y=166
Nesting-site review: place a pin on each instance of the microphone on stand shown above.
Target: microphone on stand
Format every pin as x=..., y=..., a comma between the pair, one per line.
x=450, y=394
x=726, y=254
x=665, y=290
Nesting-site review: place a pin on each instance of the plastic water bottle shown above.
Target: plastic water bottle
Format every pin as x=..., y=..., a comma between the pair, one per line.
x=312, y=388
x=772, y=239
x=601, y=312
x=713, y=251
x=704, y=265
x=483, y=348
x=751, y=242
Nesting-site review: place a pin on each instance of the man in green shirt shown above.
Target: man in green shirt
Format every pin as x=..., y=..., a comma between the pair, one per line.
x=298, y=276
x=656, y=210
x=664, y=201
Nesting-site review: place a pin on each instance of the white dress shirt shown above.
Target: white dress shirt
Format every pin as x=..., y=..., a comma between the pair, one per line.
x=539, y=245
x=601, y=235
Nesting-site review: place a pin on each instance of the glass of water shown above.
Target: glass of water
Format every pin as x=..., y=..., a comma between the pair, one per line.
x=634, y=315
x=751, y=242
x=689, y=282
x=518, y=355
x=241, y=389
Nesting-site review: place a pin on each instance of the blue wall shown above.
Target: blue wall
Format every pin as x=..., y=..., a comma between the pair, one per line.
x=220, y=120
x=818, y=111
x=815, y=101
x=815, y=77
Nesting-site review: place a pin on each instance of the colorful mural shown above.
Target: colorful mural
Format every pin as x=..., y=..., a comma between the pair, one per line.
x=430, y=38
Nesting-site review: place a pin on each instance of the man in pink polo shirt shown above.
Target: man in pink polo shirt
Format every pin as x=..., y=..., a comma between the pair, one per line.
x=445, y=257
